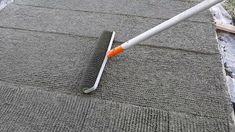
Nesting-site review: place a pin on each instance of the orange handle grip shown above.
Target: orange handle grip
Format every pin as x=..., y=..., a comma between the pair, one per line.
x=115, y=51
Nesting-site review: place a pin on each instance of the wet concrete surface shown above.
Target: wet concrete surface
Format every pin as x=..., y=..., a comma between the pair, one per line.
x=172, y=82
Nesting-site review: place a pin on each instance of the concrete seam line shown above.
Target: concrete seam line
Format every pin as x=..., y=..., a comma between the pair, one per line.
x=141, y=44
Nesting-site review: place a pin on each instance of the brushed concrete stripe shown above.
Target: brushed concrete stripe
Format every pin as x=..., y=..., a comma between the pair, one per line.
x=179, y=123
x=34, y=110
x=147, y=8
x=187, y=35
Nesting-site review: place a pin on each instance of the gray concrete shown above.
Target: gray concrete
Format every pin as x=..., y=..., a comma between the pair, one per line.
x=49, y=60
x=92, y=24
x=153, y=77
x=55, y=63
x=25, y=110
x=147, y=8
x=172, y=82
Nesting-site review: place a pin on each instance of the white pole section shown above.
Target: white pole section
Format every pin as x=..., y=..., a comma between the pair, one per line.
x=165, y=25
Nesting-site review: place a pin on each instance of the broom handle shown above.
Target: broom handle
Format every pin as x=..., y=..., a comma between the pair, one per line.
x=163, y=26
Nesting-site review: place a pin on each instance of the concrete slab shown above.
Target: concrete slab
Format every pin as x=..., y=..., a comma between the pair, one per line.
x=49, y=60
x=153, y=77
x=173, y=82
x=144, y=76
x=189, y=36
x=25, y=110
x=148, y=8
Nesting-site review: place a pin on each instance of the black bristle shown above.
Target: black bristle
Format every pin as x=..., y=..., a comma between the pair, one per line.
x=95, y=61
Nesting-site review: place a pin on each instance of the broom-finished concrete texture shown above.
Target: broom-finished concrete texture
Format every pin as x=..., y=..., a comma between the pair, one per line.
x=187, y=35
x=33, y=110
x=172, y=82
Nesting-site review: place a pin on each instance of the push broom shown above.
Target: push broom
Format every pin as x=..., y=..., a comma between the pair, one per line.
x=102, y=52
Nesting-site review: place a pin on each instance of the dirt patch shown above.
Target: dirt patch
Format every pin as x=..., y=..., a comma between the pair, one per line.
x=230, y=7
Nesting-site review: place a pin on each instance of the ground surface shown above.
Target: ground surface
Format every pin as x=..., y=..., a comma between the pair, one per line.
x=171, y=82
x=230, y=6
